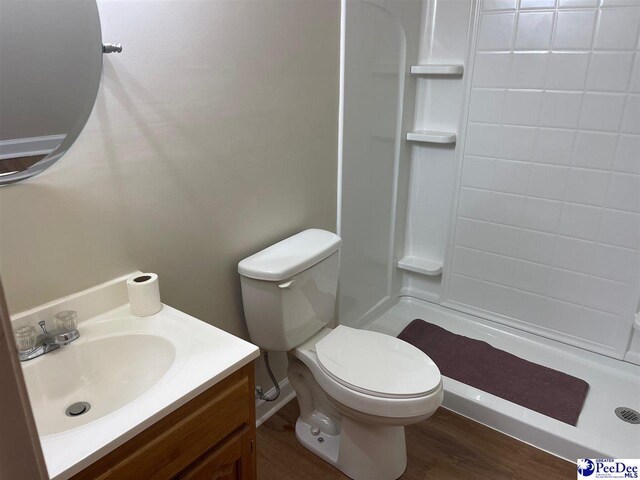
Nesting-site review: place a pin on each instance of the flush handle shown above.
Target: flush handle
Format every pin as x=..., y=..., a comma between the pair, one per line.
x=287, y=284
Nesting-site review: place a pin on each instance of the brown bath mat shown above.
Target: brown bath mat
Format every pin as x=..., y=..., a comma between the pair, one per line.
x=495, y=371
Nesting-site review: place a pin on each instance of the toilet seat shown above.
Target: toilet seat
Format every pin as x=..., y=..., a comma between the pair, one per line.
x=376, y=364
x=403, y=405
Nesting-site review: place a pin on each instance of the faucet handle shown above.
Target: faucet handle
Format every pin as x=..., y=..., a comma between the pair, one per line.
x=43, y=326
x=67, y=320
x=25, y=338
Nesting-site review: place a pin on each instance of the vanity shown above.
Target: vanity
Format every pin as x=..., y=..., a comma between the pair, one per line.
x=163, y=396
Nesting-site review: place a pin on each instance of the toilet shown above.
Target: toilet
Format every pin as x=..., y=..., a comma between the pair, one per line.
x=356, y=389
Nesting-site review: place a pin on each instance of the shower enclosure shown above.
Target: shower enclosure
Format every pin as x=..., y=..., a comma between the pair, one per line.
x=490, y=183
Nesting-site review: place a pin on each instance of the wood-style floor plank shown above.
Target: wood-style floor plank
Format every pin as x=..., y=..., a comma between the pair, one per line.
x=447, y=446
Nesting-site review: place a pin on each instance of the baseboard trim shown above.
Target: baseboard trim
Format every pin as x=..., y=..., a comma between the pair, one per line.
x=30, y=146
x=264, y=409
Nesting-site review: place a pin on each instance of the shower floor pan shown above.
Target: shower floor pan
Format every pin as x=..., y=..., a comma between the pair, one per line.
x=613, y=383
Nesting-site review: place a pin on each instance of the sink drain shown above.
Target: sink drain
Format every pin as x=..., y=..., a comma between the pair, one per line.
x=77, y=409
x=628, y=415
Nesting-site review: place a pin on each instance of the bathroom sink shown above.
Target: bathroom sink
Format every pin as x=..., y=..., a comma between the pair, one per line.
x=107, y=373
x=132, y=371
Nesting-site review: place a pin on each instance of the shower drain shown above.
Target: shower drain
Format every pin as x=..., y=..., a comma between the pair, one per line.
x=77, y=409
x=628, y=415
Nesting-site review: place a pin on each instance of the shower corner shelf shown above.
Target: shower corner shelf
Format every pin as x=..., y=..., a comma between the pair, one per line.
x=437, y=69
x=431, y=136
x=425, y=266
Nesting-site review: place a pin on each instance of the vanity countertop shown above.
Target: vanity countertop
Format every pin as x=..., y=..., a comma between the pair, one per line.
x=173, y=357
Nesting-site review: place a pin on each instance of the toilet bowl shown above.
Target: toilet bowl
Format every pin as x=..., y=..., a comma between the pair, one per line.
x=354, y=417
x=356, y=389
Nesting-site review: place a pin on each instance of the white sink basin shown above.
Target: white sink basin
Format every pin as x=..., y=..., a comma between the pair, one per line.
x=107, y=372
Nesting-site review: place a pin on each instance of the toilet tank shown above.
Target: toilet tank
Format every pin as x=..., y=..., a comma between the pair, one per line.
x=289, y=289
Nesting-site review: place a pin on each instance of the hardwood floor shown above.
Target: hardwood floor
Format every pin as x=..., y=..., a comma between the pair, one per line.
x=445, y=447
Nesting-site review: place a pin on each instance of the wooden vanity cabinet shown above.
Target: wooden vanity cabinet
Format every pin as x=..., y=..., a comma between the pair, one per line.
x=232, y=460
x=211, y=437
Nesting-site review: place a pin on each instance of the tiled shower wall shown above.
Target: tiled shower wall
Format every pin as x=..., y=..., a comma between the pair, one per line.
x=548, y=223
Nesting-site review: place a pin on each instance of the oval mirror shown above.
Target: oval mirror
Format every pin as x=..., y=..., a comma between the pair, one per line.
x=50, y=67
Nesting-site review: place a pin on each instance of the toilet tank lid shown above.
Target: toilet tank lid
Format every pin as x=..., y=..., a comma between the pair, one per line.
x=290, y=256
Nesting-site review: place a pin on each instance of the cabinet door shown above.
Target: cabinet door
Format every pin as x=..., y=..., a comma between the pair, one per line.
x=231, y=460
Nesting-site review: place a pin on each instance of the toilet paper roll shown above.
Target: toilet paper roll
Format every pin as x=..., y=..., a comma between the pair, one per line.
x=144, y=294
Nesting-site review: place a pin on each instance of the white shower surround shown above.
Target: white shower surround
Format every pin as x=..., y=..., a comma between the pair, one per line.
x=426, y=188
x=547, y=232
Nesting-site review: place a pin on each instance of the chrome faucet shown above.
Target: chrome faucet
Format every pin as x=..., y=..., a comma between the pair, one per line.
x=48, y=341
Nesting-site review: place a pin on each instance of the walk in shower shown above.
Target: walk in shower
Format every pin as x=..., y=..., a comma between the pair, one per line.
x=490, y=184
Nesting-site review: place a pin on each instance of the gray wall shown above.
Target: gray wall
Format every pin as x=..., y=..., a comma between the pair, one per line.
x=214, y=134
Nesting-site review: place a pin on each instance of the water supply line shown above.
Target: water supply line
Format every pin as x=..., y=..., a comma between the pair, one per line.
x=259, y=393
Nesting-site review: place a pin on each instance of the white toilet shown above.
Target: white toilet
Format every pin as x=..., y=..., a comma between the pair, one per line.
x=356, y=389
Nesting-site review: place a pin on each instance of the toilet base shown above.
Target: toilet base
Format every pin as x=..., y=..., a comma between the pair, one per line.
x=323, y=445
x=361, y=451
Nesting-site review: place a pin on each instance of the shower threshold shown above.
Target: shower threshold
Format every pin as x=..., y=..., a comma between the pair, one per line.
x=599, y=433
